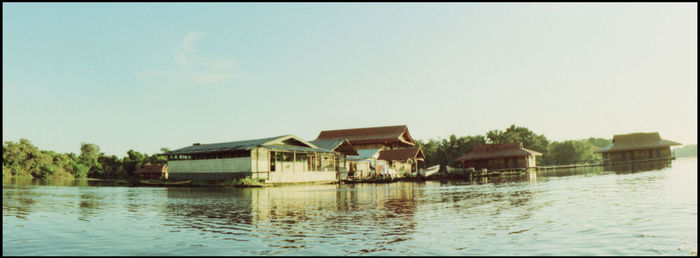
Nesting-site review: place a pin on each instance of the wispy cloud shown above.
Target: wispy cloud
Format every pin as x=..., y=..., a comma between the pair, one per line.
x=191, y=67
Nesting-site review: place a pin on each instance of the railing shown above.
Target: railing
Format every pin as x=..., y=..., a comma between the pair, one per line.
x=604, y=163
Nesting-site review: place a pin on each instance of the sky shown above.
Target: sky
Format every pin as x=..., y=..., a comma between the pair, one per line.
x=144, y=76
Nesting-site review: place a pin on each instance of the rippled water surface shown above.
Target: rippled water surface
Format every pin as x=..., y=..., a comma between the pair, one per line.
x=576, y=213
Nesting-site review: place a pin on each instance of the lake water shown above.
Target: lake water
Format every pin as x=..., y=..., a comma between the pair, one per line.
x=584, y=213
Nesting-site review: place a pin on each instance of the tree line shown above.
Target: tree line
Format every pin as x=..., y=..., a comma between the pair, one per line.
x=26, y=160
x=445, y=151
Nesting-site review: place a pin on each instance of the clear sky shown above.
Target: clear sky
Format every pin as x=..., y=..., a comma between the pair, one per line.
x=148, y=75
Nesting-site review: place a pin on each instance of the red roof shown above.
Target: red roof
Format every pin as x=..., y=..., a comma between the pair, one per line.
x=401, y=154
x=490, y=151
x=153, y=169
x=383, y=134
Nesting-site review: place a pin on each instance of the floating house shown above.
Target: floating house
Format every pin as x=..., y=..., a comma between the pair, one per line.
x=637, y=147
x=364, y=164
x=341, y=146
x=508, y=156
x=281, y=159
x=153, y=171
x=383, y=138
x=400, y=161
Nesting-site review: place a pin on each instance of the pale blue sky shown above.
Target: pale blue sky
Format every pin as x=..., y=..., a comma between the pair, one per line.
x=145, y=76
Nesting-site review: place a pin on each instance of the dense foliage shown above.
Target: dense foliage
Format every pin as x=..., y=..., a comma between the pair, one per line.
x=690, y=150
x=24, y=159
x=444, y=151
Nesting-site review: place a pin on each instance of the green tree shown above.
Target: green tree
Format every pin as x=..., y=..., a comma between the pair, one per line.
x=599, y=142
x=571, y=152
x=89, y=155
x=133, y=161
x=25, y=159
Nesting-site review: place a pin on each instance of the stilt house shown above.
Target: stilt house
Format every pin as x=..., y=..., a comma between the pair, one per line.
x=637, y=147
x=281, y=159
x=384, y=138
x=508, y=156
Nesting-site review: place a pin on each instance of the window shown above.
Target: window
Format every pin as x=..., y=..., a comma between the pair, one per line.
x=272, y=161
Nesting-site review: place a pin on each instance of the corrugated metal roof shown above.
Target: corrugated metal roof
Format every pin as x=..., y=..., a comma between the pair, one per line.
x=401, y=154
x=382, y=134
x=364, y=154
x=295, y=148
x=339, y=145
x=490, y=151
x=634, y=141
x=234, y=146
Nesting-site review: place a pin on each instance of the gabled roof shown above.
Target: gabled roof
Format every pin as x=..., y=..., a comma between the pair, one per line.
x=365, y=154
x=490, y=151
x=288, y=142
x=402, y=154
x=339, y=145
x=633, y=141
x=383, y=134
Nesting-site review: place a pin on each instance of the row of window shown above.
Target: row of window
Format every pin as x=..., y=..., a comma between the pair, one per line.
x=223, y=155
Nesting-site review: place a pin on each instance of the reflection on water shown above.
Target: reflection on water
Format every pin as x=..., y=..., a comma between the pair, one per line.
x=588, y=211
x=639, y=166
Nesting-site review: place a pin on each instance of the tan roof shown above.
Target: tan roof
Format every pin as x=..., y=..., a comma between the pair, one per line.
x=153, y=169
x=383, y=134
x=634, y=141
x=401, y=154
x=490, y=151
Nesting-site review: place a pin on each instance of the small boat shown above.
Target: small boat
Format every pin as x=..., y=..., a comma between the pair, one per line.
x=163, y=183
x=455, y=171
x=430, y=171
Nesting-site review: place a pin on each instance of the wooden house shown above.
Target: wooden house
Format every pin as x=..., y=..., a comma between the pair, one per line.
x=281, y=159
x=384, y=137
x=508, y=156
x=378, y=138
x=364, y=164
x=637, y=147
x=153, y=171
x=401, y=161
x=341, y=146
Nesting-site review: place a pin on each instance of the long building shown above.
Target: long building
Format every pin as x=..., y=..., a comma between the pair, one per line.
x=281, y=159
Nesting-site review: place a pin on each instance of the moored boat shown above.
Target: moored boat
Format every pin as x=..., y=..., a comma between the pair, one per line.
x=456, y=171
x=163, y=183
x=430, y=171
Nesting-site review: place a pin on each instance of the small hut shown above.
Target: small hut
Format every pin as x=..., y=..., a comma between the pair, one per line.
x=402, y=161
x=637, y=147
x=153, y=171
x=363, y=164
x=508, y=156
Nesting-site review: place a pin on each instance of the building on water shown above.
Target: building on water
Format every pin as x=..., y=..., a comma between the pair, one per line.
x=281, y=159
x=153, y=171
x=400, y=161
x=508, y=156
x=637, y=147
x=385, y=139
x=364, y=164
x=341, y=146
